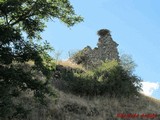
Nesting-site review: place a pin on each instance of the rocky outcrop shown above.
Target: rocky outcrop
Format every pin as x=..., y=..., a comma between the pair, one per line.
x=107, y=47
x=106, y=50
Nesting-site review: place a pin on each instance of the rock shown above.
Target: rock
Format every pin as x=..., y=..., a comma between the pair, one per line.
x=106, y=50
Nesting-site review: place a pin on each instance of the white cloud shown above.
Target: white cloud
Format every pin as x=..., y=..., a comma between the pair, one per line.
x=150, y=87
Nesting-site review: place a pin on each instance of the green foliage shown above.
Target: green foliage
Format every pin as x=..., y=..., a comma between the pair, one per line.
x=116, y=80
x=19, y=17
x=106, y=66
x=14, y=79
x=84, y=84
x=109, y=78
x=79, y=57
x=127, y=63
x=82, y=57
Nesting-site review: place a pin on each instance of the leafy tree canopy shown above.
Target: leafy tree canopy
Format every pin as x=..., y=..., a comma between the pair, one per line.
x=127, y=63
x=27, y=17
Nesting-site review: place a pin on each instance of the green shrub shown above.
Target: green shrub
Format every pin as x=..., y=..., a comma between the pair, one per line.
x=84, y=84
x=110, y=78
x=83, y=57
x=115, y=80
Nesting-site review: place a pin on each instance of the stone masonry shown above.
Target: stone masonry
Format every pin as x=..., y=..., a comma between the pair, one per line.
x=106, y=50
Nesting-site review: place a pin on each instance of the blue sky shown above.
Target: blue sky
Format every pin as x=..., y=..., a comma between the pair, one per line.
x=134, y=25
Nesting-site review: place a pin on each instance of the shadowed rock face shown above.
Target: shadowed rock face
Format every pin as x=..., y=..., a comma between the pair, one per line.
x=106, y=50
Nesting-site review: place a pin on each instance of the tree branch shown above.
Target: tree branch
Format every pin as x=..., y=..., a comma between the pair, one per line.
x=24, y=16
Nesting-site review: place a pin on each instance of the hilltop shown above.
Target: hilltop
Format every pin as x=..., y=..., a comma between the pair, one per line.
x=94, y=84
x=70, y=106
x=73, y=107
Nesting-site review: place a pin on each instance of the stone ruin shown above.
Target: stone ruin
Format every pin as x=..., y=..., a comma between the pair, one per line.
x=106, y=50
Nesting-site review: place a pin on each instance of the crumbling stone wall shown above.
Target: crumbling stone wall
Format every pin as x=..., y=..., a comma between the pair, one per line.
x=106, y=50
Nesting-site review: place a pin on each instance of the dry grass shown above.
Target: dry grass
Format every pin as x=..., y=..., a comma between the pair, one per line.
x=72, y=107
x=69, y=63
x=30, y=62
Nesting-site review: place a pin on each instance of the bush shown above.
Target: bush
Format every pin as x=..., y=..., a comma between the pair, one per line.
x=83, y=57
x=84, y=84
x=110, y=78
x=127, y=63
x=116, y=81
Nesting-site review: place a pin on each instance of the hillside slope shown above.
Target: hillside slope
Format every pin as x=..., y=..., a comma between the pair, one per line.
x=68, y=106
x=71, y=107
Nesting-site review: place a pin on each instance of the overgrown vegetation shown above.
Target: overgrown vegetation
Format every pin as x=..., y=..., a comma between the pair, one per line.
x=28, y=73
x=80, y=57
x=71, y=107
x=17, y=19
x=109, y=78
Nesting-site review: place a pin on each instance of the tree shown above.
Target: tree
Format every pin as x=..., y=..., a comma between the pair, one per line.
x=127, y=63
x=57, y=56
x=117, y=81
x=19, y=18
